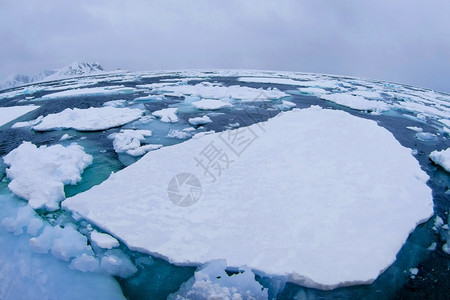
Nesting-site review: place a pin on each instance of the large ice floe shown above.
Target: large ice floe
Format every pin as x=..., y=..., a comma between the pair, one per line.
x=90, y=119
x=110, y=90
x=319, y=196
x=217, y=91
x=441, y=158
x=38, y=174
x=7, y=114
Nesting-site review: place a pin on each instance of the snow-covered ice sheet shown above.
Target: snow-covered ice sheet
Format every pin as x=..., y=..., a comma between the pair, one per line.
x=110, y=90
x=90, y=119
x=39, y=174
x=441, y=158
x=210, y=104
x=356, y=102
x=306, y=210
x=216, y=91
x=199, y=120
x=7, y=114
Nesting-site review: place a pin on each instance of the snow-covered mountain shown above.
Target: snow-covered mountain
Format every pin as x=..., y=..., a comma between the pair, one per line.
x=73, y=70
x=76, y=69
x=21, y=79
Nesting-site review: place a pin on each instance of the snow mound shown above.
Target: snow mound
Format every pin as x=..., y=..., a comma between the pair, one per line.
x=319, y=196
x=7, y=114
x=209, y=104
x=39, y=174
x=167, y=115
x=212, y=282
x=129, y=141
x=199, y=120
x=356, y=102
x=90, y=119
x=442, y=158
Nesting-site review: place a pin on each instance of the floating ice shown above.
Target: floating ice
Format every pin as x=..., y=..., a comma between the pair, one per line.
x=116, y=263
x=7, y=114
x=313, y=91
x=288, y=104
x=129, y=141
x=318, y=195
x=39, y=174
x=442, y=158
x=85, y=263
x=212, y=282
x=215, y=91
x=209, y=104
x=27, y=123
x=272, y=80
x=116, y=103
x=103, y=240
x=199, y=120
x=167, y=115
x=356, y=102
x=178, y=134
x=109, y=90
x=90, y=119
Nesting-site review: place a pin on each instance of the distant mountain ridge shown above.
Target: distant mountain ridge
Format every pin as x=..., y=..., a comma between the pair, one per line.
x=73, y=70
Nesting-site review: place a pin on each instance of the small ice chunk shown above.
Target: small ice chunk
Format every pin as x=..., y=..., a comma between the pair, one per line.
x=212, y=282
x=446, y=248
x=426, y=136
x=90, y=119
x=27, y=123
x=65, y=137
x=116, y=263
x=115, y=103
x=414, y=128
x=441, y=158
x=210, y=104
x=288, y=104
x=178, y=134
x=199, y=120
x=85, y=263
x=414, y=271
x=39, y=174
x=167, y=115
x=104, y=240
x=64, y=243
x=432, y=247
x=313, y=91
x=129, y=141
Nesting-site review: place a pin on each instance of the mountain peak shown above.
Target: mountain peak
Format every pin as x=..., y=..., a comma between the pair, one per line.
x=77, y=69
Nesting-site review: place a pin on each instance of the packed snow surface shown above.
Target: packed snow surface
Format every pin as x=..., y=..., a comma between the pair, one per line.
x=442, y=158
x=356, y=102
x=308, y=196
x=90, y=119
x=39, y=174
x=7, y=114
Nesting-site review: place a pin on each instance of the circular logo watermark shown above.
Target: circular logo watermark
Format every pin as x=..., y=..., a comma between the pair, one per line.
x=184, y=189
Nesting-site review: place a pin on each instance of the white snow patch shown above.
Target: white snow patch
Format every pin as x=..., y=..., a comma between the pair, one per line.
x=199, y=120
x=313, y=91
x=288, y=104
x=210, y=104
x=116, y=263
x=7, y=114
x=167, y=115
x=441, y=158
x=90, y=119
x=319, y=200
x=178, y=134
x=414, y=128
x=39, y=174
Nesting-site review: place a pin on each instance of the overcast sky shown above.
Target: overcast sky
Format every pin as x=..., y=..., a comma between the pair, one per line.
x=406, y=41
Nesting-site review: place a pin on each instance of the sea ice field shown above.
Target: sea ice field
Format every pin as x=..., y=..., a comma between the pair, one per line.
x=224, y=184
